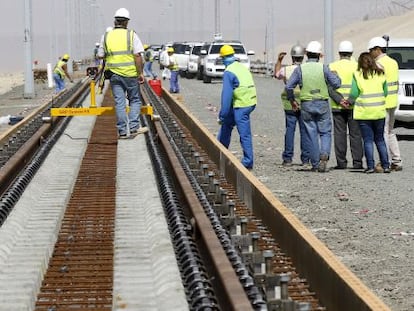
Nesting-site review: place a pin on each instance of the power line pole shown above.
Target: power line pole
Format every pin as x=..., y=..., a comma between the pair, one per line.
x=28, y=72
x=328, y=31
x=217, y=30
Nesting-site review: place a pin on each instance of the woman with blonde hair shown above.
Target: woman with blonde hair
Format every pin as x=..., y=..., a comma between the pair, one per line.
x=369, y=89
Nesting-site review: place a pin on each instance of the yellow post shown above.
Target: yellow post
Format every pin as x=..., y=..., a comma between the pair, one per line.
x=93, y=100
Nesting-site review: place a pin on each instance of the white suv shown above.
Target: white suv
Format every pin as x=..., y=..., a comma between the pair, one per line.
x=212, y=63
x=402, y=50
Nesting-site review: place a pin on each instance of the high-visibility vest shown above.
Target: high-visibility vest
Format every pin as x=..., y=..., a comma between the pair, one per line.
x=245, y=94
x=345, y=69
x=370, y=104
x=148, y=55
x=59, y=70
x=286, y=103
x=391, y=74
x=119, y=51
x=313, y=82
x=173, y=64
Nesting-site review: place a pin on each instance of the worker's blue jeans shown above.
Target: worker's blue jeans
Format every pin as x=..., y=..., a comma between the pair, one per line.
x=291, y=119
x=239, y=117
x=129, y=85
x=373, y=131
x=148, y=70
x=317, y=118
x=174, y=87
x=59, y=82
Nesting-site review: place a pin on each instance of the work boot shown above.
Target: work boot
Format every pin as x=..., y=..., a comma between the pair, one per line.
x=323, y=164
x=378, y=168
x=396, y=167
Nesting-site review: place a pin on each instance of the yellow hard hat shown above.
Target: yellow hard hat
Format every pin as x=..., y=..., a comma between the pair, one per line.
x=146, y=46
x=226, y=50
x=170, y=50
x=66, y=56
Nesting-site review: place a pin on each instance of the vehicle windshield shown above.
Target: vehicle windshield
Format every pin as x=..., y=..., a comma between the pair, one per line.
x=403, y=55
x=238, y=49
x=196, y=50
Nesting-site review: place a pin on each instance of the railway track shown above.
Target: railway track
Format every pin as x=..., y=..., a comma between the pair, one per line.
x=237, y=247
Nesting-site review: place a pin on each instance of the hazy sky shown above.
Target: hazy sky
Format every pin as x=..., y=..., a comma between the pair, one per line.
x=60, y=26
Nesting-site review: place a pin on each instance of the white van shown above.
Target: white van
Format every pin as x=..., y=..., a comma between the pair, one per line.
x=402, y=50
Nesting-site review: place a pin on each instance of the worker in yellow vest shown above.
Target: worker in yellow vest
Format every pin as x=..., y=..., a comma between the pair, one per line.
x=369, y=89
x=173, y=67
x=342, y=110
x=377, y=48
x=60, y=72
x=122, y=49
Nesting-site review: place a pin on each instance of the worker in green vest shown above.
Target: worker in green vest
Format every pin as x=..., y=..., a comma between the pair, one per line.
x=292, y=117
x=238, y=100
x=314, y=78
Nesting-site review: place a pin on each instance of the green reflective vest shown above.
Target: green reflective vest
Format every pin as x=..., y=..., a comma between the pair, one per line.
x=286, y=103
x=345, y=69
x=245, y=94
x=59, y=70
x=119, y=51
x=370, y=104
x=391, y=74
x=313, y=82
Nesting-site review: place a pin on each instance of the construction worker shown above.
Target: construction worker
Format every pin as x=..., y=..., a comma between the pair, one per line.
x=238, y=100
x=292, y=117
x=166, y=74
x=369, y=88
x=377, y=48
x=60, y=72
x=313, y=78
x=342, y=110
x=122, y=51
x=149, y=59
x=173, y=67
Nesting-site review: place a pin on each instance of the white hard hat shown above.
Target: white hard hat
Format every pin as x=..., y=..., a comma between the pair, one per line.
x=345, y=46
x=122, y=12
x=314, y=47
x=97, y=44
x=377, y=41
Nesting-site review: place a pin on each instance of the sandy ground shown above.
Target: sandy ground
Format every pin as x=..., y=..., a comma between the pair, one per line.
x=10, y=80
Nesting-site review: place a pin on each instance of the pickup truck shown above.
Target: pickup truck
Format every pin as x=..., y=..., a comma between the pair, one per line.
x=402, y=50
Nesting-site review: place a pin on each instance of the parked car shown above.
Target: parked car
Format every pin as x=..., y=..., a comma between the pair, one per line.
x=402, y=50
x=192, y=66
x=156, y=50
x=212, y=63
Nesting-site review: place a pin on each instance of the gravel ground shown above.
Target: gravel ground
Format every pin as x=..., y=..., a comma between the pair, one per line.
x=365, y=219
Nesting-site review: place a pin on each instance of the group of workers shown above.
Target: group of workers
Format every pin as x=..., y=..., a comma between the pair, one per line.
x=359, y=97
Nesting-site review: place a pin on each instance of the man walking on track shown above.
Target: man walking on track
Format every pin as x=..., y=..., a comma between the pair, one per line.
x=122, y=50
